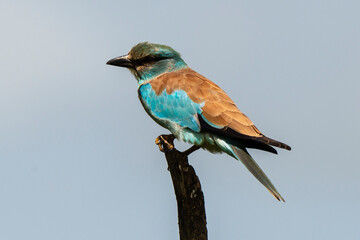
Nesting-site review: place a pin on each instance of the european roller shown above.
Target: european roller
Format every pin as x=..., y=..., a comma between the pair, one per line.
x=193, y=108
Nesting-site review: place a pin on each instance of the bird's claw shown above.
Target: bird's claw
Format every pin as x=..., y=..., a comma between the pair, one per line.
x=165, y=142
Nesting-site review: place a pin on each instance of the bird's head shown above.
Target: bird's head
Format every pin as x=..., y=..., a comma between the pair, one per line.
x=148, y=60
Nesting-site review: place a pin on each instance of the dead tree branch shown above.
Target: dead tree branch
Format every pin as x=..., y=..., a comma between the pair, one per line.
x=189, y=196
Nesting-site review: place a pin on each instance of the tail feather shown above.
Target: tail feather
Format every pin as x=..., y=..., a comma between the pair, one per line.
x=253, y=167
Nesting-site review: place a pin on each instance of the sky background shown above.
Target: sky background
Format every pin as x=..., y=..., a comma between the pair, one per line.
x=77, y=153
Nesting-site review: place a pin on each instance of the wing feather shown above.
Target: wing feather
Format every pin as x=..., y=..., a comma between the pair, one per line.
x=219, y=111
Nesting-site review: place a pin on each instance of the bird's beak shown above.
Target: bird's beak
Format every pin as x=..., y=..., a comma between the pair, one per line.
x=122, y=61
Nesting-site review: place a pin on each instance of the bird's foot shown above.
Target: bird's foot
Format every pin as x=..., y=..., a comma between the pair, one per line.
x=165, y=142
x=191, y=150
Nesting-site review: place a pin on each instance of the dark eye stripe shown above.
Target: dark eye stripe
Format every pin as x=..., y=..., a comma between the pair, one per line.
x=148, y=60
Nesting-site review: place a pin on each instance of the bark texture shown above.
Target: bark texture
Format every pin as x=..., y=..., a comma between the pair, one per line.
x=189, y=196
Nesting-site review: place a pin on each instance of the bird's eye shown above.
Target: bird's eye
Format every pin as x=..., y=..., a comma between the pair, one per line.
x=148, y=60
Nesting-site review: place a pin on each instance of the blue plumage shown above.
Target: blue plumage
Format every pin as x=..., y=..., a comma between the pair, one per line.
x=193, y=108
x=176, y=108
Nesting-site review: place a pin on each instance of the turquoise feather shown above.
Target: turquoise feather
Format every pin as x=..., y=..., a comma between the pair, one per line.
x=216, y=127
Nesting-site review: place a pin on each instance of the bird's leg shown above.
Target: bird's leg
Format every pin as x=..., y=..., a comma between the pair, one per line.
x=191, y=150
x=165, y=142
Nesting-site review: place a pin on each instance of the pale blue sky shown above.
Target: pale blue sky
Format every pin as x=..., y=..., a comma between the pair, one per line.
x=77, y=153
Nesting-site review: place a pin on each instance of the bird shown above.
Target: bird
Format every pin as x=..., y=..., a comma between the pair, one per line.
x=193, y=108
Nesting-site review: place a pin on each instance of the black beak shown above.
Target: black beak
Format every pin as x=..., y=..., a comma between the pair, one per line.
x=122, y=61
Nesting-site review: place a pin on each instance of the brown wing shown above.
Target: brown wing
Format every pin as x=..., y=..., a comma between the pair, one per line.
x=220, y=114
